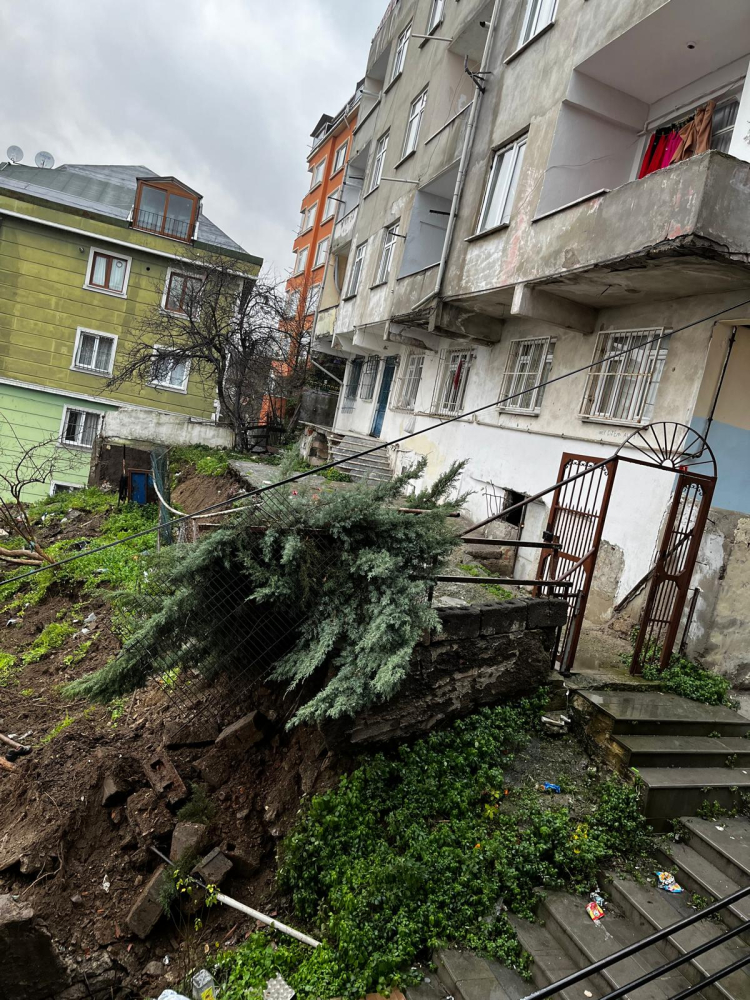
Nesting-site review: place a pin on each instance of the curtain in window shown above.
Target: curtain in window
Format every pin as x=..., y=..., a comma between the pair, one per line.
x=117, y=275
x=99, y=273
x=88, y=433
x=86, y=351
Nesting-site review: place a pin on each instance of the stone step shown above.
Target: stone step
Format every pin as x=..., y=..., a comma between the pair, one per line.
x=685, y=751
x=724, y=843
x=698, y=875
x=365, y=462
x=587, y=941
x=652, y=909
x=363, y=467
x=469, y=977
x=551, y=962
x=670, y=792
x=373, y=475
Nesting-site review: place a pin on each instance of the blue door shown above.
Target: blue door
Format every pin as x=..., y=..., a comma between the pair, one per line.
x=385, y=390
x=139, y=486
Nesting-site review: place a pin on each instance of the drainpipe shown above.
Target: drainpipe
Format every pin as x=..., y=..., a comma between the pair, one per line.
x=724, y=367
x=471, y=127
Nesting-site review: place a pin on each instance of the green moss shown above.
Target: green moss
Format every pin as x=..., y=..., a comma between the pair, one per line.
x=498, y=592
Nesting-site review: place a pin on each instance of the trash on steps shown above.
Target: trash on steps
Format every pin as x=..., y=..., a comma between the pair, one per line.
x=666, y=881
x=594, y=911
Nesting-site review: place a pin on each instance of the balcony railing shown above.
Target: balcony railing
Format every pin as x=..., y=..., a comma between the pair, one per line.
x=155, y=222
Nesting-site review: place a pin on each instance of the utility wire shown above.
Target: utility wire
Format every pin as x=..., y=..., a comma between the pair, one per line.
x=384, y=444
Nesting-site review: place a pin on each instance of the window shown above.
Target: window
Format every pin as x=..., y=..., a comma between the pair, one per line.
x=359, y=257
x=107, y=273
x=292, y=303
x=624, y=389
x=725, y=117
x=301, y=260
x=352, y=385
x=386, y=254
x=369, y=378
x=529, y=363
x=313, y=297
x=378, y=161
x=539, y=13
x=308, y=218
x=400, y=57
x=409, y=382
x=501, y=186
x=415, y=120
x=340, y=157
x=317, y=174
x=450, y=384
x=166, y=209
x=94, y=352
x=437, y=11
x=182, y=293
x=331, y=202
x=79, y=427
x=168, y=372
x=320, y=253
x=58, y=487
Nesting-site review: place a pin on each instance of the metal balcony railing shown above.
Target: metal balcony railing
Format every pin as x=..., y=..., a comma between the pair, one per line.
x=155, y=222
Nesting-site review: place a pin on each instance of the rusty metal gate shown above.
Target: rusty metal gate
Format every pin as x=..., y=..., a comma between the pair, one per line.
x=576, y=521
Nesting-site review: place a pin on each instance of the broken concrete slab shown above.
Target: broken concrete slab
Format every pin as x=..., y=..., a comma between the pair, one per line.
x=215, y=768
x=246, y=732
x=201, y=731
x=214, y=867
x=148, y=815
x=187, y=838
x=164, y=779
x=147, y=909
x=29, y=965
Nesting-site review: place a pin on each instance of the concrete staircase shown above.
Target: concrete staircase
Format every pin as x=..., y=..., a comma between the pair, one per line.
x=687, y=754
x=374, y=468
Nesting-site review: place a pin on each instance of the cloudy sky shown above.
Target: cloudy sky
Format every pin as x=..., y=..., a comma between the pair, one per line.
x=221, y=93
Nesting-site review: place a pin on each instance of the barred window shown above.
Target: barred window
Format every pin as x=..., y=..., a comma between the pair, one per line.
x=529, y=363
x=450, y=384
x=352, y=384
x=369, y=377
x=409, y=382
x=624, y=388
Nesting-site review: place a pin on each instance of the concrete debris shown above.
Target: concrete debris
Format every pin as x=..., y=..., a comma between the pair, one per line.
x=148, y=815
x=246, y=732
x=147, y=909
x=164, y=779
x=214, y=868
x=201, y=731
x=215, y=768
x=187, y=838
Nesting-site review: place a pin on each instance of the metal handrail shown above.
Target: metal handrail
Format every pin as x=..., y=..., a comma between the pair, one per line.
x=637, y=946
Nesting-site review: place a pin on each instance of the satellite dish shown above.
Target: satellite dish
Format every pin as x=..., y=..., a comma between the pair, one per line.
x=44, y=159
x=14, y=154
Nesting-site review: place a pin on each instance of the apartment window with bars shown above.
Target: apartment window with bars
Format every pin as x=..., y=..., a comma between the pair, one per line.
x=624, y=389
x=450, y=384
x=386, y=254
x=414, y=123
x=400, y=57
x=369, y=378
x=529, y=363
x=94, y=352
x=79, y=427
x=352, y=384
x=359, y=257
x=378, y=161
x=409, y=382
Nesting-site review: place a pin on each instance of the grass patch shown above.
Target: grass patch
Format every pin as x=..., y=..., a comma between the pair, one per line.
x=206, y=461
x=336, y=476
x=501, y=593
x=81, y=652
x=689, y=680
x=52, y=637
x=7, y=668
x=58, y=728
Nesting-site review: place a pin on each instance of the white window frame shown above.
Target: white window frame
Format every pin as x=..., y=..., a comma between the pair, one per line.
x=301, y=262
x=378, y=161
x=502, y=193
x=540, y=14
x=447, y=398
x=317, y=172
x=101, y=372
x=437, y=13
x=186, y=274
x=368, y=378
x=340, y=154
x=333, y=199
x=399, y=59
x=308, y=218
x=358, y=262
x=390, y=235
x=291, y=306
x=517, y=373
x=74, y=444
x=60, y=482
x=414, y=123
x=320, y=252
x=107, y=291
x=167, y=385
x=313, y=298
x=631, y=381
x=410, y=381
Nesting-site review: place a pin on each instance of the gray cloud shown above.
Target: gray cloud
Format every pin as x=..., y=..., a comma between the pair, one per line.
x=221, y=93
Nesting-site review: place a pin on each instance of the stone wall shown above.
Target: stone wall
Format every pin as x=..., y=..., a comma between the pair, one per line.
x=485, y=654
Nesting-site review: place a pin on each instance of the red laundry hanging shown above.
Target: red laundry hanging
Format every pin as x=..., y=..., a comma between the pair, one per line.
x=657, y=156
x=647, y=156
x=673, y=141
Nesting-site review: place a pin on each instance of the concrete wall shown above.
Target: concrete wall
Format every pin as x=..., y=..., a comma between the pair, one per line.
x=149, y=427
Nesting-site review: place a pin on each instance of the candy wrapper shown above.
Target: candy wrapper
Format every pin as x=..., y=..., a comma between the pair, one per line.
x=594, y=911
x=666, y=881
x=547, y=786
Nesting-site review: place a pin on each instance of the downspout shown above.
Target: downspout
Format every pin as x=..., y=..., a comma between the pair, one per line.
x=471, y=127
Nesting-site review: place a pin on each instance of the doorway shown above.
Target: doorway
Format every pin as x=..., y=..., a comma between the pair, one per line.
x=389, y=369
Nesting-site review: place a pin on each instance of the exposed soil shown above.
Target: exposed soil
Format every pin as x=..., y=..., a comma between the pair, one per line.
x=194, y=492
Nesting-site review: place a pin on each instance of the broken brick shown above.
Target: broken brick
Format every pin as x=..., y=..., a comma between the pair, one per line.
x=145, y=912
x=214, y=867
x=247, y=731
x=164, y=779
x=199, y=732
x=187, y=838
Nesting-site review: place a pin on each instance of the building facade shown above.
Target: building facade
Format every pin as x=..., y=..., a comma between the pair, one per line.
x=535, y=185
x=87, y=251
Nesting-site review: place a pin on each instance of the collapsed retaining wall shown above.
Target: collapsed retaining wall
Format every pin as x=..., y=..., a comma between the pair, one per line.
x=485, y=654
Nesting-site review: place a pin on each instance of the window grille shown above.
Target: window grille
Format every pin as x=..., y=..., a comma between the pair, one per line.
x=450, y=384
x=352, y=384
x=624, y=389
x=409, y=382
x=529, y=363
x=369, y=377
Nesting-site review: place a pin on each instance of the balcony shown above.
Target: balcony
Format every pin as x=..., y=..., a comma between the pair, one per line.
x=157, y=222
x=443, y=148
x=344, y=230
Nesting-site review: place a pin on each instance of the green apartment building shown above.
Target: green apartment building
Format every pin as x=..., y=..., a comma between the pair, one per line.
x=85, y=252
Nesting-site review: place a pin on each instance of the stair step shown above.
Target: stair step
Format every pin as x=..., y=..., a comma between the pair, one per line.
x=725, y=843
x=680, y=791
x=685, y=751
x=653, y=909
x=698, y=875
x=552, y=963
x=470, y=977
x=384, y=466
x=655, y=713
x=588, y=941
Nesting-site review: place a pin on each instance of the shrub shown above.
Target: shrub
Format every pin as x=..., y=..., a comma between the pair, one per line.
x=688, y=679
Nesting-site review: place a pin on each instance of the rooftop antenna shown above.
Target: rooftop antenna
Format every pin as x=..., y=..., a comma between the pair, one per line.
x=14, y=154
x=44, y=159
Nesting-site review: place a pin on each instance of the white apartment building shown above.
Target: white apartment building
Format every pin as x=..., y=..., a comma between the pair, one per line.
x=516, y=224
